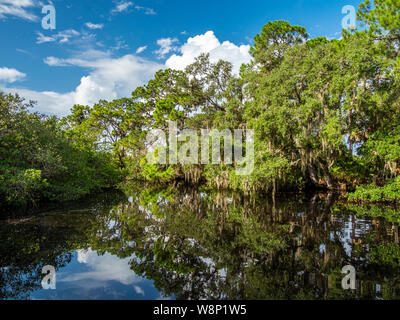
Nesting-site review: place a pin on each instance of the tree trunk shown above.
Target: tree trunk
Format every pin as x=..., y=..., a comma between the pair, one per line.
x=328, y=178
x=121, y=156
x=313, y=175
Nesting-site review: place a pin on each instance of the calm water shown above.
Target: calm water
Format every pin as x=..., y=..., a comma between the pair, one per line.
x=170, y=244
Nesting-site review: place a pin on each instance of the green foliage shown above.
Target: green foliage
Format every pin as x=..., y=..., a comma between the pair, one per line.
x=275, y=39
x=381, y=15
x=374, y=211
x=24, y=186
x=373, y=193
x=153, y=172
x=386, y=254
x=41, y=161
x=325, y=115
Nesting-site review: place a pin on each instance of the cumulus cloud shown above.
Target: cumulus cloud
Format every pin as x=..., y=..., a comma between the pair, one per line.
x=208, y=43
x=109, y=78
x=10, y=75
x=49, y=102
x=141, y=49
x=166, y=46
x=94, y=26
x=112, y=78
x=17, y=8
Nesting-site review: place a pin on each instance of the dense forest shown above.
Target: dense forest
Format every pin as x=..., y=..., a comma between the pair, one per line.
x=326, y=115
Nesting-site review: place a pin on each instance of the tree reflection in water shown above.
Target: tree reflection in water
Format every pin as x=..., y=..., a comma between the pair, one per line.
x=209, y=245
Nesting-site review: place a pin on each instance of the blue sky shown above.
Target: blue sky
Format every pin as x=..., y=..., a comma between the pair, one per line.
x=103, y=49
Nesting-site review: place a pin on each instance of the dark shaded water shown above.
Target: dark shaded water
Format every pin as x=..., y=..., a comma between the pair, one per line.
x=170, y=244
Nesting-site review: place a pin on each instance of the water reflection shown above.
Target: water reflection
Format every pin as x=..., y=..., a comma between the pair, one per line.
x=191, y=244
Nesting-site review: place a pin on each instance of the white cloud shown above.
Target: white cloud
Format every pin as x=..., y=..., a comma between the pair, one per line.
x=61, y=37
x=141, y=49
x=17, y=8
x=139, y=290
x=122, y=6
x=22, y=51
x=109, y=78
x=113, y=78
x=120, y=44
x=208, y=43
x=166, y=46
x=125, y=5
x=49, y=102
x=85, y=59
x=55, y=62
x=43, y=39
x=94, y=26
x=101, y=269
x=10, y=75
x=148, y=11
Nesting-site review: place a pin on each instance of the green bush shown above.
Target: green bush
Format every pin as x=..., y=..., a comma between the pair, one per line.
x=373, y=193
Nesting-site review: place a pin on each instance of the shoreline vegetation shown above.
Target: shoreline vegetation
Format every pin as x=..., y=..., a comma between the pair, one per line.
x=325, y=114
